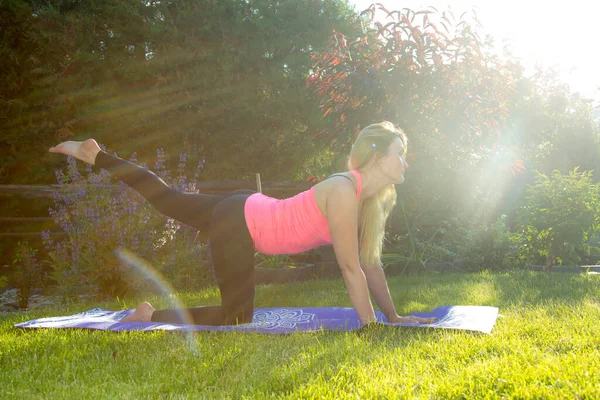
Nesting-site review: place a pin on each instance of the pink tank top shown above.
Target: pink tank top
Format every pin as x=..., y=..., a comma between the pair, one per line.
x=291, y=225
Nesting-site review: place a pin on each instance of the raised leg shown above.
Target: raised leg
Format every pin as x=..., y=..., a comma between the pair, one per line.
x=193, y=209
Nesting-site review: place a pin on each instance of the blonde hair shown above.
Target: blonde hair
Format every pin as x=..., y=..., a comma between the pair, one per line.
x=374, y=211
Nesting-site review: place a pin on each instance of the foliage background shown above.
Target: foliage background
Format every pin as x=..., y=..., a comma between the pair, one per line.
x=282, y=88
x=223, y=79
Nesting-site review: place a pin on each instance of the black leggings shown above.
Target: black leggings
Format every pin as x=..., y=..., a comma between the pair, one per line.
x=232, y=247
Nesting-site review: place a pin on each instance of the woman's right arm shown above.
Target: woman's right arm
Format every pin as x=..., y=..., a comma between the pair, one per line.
x=342, y=217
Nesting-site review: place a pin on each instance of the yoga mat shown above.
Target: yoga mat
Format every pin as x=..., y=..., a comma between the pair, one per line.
x=279, y=320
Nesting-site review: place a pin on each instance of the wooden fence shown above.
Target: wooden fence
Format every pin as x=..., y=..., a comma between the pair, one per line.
x=32, y=193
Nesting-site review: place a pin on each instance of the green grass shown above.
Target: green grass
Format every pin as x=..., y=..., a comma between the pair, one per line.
x=546, y=345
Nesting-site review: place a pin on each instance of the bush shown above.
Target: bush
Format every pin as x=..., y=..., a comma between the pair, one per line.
x=485, y=247
x=481, y=247
x=274, y=261
x=27, y=272
x=410, y=248
x=415, y=246
x=561, y=214
x=98, y=221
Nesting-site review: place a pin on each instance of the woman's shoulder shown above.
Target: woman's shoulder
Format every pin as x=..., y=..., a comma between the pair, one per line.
x=335, y=181
x=344, y=177
x=329, y=187
x=340, y=178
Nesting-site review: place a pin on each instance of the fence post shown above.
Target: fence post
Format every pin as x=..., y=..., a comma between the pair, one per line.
x=258, y=185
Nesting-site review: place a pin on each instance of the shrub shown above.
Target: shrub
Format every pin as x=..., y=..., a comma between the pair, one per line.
x=27, y=272
x=272, y=261
x=561, y=214
x=98, y=221
x=481, y=247
x=415, y=247
x=484, y=247
x=410, y=248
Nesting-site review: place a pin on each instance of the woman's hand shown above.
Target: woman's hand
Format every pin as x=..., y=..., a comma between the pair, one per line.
x=412, y=320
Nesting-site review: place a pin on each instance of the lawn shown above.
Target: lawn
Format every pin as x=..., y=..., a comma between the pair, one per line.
x=545, y=345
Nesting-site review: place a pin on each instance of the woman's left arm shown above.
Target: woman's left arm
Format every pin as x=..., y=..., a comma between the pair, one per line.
x=378, y=287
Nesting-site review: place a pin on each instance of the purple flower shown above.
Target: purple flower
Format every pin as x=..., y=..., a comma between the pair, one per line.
x=98, y=220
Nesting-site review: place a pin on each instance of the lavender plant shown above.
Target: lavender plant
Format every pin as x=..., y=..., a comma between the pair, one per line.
x=99, y=220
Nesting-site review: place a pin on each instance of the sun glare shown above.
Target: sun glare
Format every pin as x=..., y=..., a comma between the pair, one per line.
x=145, y=270
x=549, y=35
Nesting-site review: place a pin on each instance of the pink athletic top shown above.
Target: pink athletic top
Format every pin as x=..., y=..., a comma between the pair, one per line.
x=288, y=226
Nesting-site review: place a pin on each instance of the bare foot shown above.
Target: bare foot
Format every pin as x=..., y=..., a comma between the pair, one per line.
x=141, y=314
x=85, y=151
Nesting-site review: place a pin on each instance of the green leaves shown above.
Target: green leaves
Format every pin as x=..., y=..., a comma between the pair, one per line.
x=27, y=272
x=437, y=83
x=228, y=76
x=562, y=213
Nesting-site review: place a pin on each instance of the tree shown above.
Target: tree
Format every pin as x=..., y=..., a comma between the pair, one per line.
x=550, y=129
x=223, y=81
x=432, y=75
x=552, y=126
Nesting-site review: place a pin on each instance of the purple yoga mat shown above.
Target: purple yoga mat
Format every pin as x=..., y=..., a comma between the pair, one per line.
x=278, y=320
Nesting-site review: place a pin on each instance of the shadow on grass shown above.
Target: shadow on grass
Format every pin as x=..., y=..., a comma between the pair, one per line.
x=324, y=358
x=534, y=288
x=415, y=293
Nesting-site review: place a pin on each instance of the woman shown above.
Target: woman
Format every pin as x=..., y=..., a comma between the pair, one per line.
x=348, y=210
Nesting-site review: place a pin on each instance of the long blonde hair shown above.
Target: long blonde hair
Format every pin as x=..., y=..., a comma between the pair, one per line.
x=374, y=211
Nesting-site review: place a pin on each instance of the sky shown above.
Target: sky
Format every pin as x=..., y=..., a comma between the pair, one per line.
x=564, y=36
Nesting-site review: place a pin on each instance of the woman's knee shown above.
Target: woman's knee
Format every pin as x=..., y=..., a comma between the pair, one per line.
x=243, y=318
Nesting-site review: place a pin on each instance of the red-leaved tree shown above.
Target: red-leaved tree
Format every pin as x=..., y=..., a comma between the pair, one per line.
x=433, y=76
